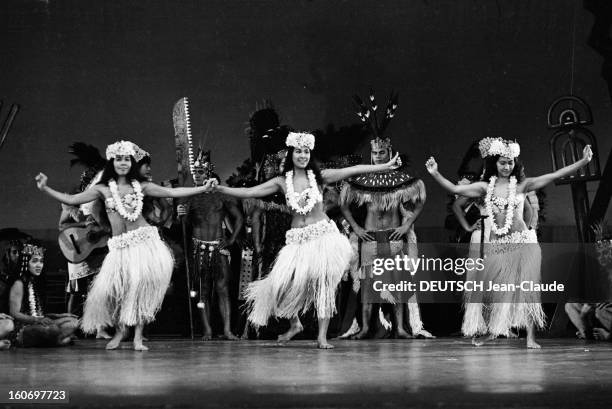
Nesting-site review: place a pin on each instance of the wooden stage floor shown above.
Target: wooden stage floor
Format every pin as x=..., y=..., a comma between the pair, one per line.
x=441, y=373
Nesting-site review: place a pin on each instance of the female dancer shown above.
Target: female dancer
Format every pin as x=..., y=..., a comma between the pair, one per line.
x=130, y=287
x=515, y=255
x=311, y=264
x=34, y=328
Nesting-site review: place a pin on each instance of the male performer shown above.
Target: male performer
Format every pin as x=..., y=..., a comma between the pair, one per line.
x=393, y=201
x=206, y=213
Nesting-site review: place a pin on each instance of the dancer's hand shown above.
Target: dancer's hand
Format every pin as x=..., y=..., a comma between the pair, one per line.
x=399, y=232
x=431, y=165
x=587, y=153
x=475, y=226
x=395, y=162
x=44, y=321
x=181, y=210
x=41, y=181
x=226, y=243
x=211, y=184
x=363, y=234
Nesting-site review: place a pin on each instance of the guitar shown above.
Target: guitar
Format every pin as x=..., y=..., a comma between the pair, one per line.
x=76, y=246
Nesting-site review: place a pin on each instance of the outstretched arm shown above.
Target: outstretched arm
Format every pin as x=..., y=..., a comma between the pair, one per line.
x=87, y=196
x=153, y=190
x=476, y=189
x=334, y=175
x=262, y=190
x=540, y=181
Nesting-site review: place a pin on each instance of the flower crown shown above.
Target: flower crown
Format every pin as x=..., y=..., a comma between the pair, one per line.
x=33, y=250
x=300, y=140
x=140, y=153
x=498, y=146
x=120, y=148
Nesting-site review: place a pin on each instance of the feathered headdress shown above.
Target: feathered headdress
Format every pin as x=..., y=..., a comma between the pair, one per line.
x=368, y=114
x=89, y=157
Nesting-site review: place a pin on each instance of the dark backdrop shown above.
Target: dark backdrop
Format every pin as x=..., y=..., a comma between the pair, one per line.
x=101, y=70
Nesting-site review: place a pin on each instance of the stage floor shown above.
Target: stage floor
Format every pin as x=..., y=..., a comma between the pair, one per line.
x=440, y=373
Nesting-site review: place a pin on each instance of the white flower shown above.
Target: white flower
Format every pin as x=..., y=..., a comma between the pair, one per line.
x=514, y=149
x=300, y=140
x=120, y=148
x=311, y=196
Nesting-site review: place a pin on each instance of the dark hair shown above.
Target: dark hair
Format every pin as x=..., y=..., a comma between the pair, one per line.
x=490, y=168
x=312, y=165
x=109, y=172
x=146, y=159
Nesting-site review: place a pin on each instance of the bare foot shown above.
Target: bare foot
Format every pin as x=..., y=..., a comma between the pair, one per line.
x=139, y=346
x=103, y=335
x=4, y=344
x=207, y=337
x=363, y=334
x=513, y=334
x=229, y=337
x=402, y=334
x=323, y=344
x=66, y=341
x=580, y=335
x=479, y=341
x=601, y=334
x=424, y=334
x=382, y=333
x=293, y=331
x=531, y=344
x=114, y=343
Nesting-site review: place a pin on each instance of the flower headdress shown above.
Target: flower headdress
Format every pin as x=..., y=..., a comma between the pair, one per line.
x=499, y=146
x=300, y=140
x=120, y=148
x=139, y=153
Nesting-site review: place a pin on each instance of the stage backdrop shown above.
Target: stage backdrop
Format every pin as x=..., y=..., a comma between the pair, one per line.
x=104, y=70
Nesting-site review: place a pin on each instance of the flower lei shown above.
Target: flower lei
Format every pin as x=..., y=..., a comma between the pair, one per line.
x=128, y=199
x=312, y=194
x=509, y=203
x=35, y=310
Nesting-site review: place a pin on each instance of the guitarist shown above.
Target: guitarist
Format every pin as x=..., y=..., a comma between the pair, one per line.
x=80, y=275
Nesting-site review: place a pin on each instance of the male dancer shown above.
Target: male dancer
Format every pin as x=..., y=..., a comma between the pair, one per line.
x=206, y=213
x=393, y=201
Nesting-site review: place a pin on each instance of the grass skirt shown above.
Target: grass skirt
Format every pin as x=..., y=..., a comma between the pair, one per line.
x=132, y=283
x=306, y=272
x=514, y=259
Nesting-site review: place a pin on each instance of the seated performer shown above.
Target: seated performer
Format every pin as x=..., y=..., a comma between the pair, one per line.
x=593, y=321
x=393, y=201
x=309, y=268
x=211, y=266
x=131, y=285
x=32, y=327
x=9, y=271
